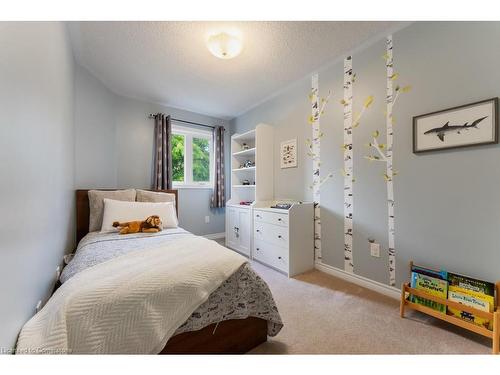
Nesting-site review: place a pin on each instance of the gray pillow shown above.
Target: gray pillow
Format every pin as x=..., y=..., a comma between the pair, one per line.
x=154, y=196
x=96, y=203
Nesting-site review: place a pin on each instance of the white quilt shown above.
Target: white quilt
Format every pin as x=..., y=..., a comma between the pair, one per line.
x=130, y=304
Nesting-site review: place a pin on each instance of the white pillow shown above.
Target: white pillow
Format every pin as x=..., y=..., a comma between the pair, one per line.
x=123, y=211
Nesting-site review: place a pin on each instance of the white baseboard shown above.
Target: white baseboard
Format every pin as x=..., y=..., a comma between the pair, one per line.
x=384, y=289
x=215, y=236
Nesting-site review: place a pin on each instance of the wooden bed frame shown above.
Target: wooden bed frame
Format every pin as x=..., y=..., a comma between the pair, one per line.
x=236, y=336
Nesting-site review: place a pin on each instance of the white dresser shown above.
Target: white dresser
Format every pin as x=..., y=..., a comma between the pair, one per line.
x=284, y=239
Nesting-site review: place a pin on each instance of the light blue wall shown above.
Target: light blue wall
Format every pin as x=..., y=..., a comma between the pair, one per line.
x=114, y=148
x=36, y=166
x=447, y=203
x=95, y=151
x=134, y=146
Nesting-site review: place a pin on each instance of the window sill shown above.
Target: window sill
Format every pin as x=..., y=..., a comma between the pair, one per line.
x=191, y=187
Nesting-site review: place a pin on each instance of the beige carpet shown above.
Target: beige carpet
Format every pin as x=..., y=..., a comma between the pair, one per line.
x=326, y=315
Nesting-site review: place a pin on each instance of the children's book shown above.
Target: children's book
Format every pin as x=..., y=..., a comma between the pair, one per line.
x=431, y=285
x=474, y=293
x=441, y=274
x=473, y=285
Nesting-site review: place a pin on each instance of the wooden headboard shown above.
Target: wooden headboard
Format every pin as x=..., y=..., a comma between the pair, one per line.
x=83, y=210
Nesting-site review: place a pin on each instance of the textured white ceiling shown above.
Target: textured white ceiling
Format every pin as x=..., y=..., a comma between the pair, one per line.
x=168, y=62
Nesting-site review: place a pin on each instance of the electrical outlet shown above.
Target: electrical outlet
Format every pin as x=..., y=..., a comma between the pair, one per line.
x=375, y=249
x=207, y=219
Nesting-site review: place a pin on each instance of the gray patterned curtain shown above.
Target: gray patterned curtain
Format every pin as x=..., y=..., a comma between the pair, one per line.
x=162, y=177
x=219, y=194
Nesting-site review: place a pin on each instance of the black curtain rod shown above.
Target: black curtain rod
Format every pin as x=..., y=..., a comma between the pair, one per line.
x=186, y=122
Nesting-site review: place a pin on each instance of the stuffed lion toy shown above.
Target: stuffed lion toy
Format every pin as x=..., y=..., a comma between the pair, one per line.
x=151, y=225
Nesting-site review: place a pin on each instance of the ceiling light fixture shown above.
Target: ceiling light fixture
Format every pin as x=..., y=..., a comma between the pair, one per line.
x=224, y=45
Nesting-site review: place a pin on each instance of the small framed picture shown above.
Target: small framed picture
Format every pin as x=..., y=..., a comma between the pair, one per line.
x=467, y=125
x=288, y=153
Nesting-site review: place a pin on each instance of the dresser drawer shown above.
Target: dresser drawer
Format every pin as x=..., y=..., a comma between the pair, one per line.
x=261, y=252
x=271, y=255
x=271, y=233
x=270, y=217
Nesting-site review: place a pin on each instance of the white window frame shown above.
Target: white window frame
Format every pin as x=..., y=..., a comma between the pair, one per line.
x=190, y=133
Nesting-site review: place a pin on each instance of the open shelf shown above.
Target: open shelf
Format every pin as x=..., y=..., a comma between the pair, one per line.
x=248, y=136
x=255, y=148
x=244, y=169
x=249, y=152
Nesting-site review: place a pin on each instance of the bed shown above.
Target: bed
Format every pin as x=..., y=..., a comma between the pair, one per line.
x=125, y=281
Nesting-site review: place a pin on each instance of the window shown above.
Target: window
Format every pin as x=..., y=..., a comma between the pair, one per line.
x=178, y=157
x=192, y=157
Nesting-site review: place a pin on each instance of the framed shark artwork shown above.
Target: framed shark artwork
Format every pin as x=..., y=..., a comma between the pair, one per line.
x=467, y=125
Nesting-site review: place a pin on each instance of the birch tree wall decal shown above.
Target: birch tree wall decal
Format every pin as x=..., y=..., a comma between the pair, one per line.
x=317, y=110
x=348, y=165
x=385, y=155
x=348, y=171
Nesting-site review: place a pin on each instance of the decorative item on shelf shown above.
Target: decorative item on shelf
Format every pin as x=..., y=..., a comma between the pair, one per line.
x=253, y=183
x=288, y=151
x=467, y=125
x=245, y=182
x=248, y=164
x=245, y=146
x=245, y=203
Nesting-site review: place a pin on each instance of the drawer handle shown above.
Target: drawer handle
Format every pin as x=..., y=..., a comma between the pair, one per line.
x=257, y=249
x=279, y=257
x=279, y=236
x=257, y=230
x=279, y=219
x=257, y=215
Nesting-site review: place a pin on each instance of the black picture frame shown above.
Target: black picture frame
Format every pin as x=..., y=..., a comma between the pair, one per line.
x=495, y=124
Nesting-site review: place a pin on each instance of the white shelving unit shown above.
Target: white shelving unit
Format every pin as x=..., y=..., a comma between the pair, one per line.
x=259, y=151
x=281, y=239
x=255, y=146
